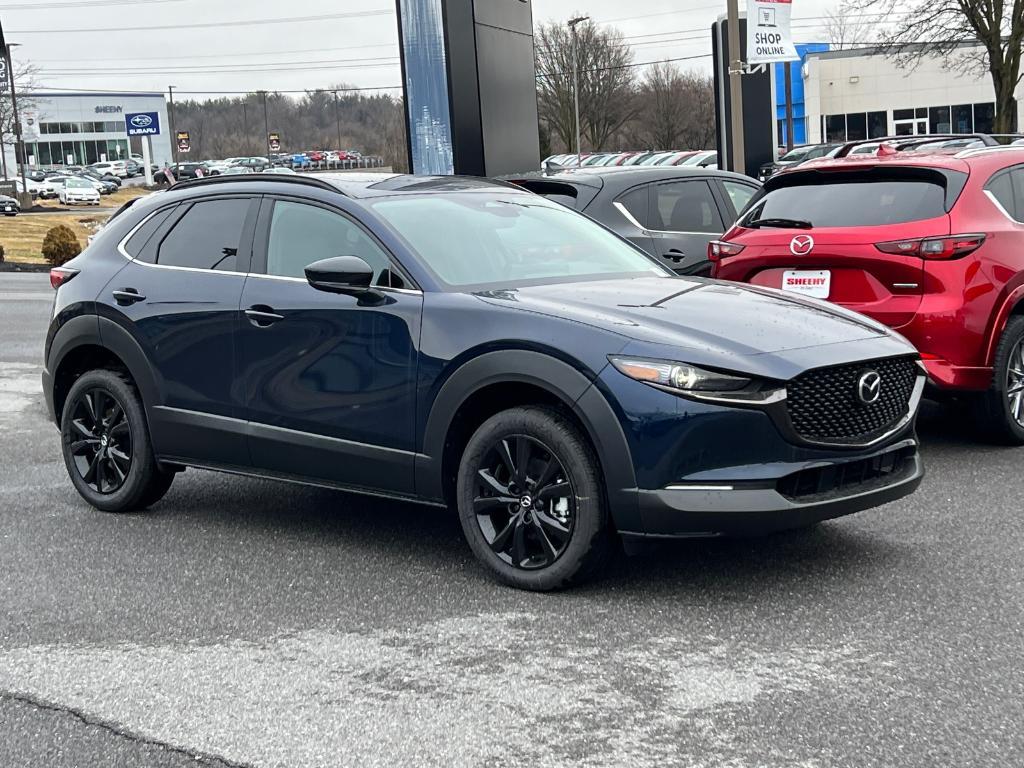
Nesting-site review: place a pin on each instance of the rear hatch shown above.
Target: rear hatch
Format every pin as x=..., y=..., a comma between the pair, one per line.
x=842, y=235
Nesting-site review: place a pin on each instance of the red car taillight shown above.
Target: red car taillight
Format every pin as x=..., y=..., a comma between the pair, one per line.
x=718, y=249
x=60, y=275
x=951, y=247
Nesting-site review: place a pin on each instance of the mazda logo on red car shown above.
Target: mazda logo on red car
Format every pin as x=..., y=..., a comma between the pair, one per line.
x=801, y=245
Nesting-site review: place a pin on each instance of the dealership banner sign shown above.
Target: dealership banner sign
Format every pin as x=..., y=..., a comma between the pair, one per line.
x=769, y=38
x=184, y=141
x=142, y=123
x=274, y=142
x=30, y=124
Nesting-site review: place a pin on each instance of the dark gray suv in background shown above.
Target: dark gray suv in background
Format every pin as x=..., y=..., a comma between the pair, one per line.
x=671, y=212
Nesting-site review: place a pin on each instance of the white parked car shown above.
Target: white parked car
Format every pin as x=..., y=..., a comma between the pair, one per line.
x=34, y=187
x=114, y=167
x=52, y=185
x=77, y=190
x=707, y=158
x=280, y=170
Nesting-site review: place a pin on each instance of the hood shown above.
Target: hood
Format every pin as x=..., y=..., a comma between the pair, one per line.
x=711, y=322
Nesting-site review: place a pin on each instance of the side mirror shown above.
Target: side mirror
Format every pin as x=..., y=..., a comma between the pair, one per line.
x=341, y=274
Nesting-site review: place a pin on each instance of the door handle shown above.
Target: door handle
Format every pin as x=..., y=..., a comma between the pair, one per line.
x=126, y=296
x=675, y=254
x=262, y=316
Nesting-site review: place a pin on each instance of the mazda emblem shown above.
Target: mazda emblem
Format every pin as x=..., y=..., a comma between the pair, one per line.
x=869, y=387
x=801, y=245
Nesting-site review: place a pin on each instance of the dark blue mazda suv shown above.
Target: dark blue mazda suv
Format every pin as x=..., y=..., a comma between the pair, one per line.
x=466, y=344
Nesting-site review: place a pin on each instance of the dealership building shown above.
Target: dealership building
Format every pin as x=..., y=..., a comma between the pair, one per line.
x=862, y=94
x=80, y=128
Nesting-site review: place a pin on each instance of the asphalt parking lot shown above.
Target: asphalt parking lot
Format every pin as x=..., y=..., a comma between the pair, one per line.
x=244, y=622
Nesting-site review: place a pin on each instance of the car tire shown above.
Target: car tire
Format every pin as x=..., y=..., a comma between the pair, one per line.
x=106, y=445
x=559, y=539
x=1000, y=410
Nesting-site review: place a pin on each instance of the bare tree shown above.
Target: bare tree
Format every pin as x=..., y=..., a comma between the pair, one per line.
x=26, y=80
x=846, y=28
x=605, y=80
x=224, y=127
x=910, y=31
x=674, y=110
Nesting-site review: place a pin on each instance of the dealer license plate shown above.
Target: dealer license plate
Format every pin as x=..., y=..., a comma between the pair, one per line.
x=809, y=282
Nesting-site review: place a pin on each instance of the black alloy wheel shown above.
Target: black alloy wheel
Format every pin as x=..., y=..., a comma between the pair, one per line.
x=106, y=444
x=101, y=440
x=525, y=504
x=531, y=499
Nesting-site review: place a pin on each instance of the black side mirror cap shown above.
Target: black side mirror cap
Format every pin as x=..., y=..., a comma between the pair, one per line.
x=340, y=274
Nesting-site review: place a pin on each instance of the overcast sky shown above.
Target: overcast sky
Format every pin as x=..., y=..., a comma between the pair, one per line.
x=212, y=45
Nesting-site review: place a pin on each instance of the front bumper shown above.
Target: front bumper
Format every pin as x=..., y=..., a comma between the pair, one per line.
x=745, y=508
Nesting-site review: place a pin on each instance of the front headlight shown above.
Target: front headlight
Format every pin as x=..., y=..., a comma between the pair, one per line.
x=678, y=375
x=699, y=383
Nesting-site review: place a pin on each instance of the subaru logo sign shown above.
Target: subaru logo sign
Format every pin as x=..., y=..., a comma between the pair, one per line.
x=142, y=123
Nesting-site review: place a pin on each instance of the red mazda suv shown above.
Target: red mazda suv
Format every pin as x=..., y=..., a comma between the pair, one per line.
x=930, y=243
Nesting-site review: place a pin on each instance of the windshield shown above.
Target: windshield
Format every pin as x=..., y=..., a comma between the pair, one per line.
x=495, y=239
x=77, y=183
x=795, y=154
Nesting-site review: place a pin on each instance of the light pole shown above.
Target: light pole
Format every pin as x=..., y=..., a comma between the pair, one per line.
x=337, y=121
x=174, y=135
x=266, y=123
x=26, y=197
x=245, y=127
x=576, y=81
x=739, y=157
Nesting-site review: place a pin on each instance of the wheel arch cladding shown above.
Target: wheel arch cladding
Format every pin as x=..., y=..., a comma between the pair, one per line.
x=531, y=376
x=1012, y=305
x=97, y=343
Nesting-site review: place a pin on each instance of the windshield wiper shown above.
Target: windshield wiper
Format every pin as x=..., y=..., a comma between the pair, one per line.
x=782, y=223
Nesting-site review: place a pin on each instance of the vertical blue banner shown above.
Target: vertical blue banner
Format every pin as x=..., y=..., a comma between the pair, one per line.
x=426, y=86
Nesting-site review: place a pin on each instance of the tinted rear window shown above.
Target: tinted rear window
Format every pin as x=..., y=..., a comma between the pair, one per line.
x=853, y=203
x=569, y=195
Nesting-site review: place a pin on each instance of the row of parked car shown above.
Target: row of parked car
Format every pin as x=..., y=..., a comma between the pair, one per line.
x=806, y=152
x=70, y=184
x=276, y=163
x=705, y=158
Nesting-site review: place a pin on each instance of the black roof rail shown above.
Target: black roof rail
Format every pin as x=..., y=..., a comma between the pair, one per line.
x=907, y=142
x=234, y=178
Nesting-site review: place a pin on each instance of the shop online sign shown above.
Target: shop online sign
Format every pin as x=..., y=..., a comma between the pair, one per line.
x=769, y=38
x=142, y=123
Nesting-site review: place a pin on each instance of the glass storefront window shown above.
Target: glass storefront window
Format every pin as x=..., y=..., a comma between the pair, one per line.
x=835, y=128
x=962, y=119
x=877, y=125
x=938, y=120
x=984, y=117
x=856, y=126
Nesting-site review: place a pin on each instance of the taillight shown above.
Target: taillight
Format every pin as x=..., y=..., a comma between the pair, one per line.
x=719, y=249
x=951, y=247
x=60, y=275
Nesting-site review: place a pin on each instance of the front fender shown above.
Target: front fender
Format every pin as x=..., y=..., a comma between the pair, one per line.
x=563, y=381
